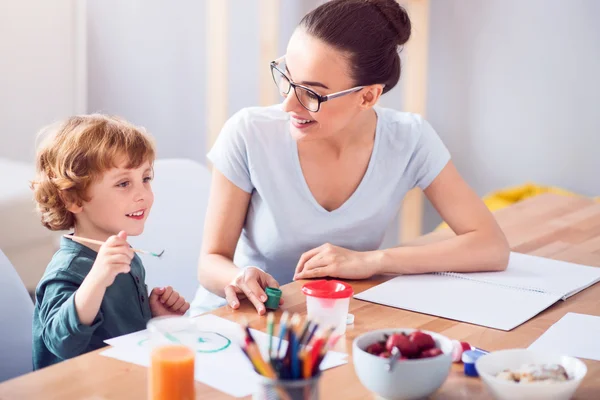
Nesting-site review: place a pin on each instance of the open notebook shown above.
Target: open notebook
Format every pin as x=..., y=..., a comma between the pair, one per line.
x=500, y=300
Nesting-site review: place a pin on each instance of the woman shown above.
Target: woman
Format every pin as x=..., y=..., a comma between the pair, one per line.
x=307, y=188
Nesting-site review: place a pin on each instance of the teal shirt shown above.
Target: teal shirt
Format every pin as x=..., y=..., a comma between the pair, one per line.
x=57, y=332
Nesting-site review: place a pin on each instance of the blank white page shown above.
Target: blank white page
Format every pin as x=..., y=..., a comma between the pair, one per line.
x=544, y=274
x=574, y=334
x=463, y=300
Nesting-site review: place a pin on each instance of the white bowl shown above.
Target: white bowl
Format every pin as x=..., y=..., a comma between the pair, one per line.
x=490, y=364
x=409, y=379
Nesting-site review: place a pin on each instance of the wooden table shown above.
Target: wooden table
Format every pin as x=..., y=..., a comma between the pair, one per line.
x=564, y=228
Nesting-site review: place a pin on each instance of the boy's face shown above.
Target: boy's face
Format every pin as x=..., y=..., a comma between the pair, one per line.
x=120, y=200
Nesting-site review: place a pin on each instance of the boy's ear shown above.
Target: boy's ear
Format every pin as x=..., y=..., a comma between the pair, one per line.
x=74, y=208
x=70, y=203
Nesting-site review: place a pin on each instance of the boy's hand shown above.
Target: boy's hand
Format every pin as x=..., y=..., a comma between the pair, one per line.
x=166, y=301
x=114, y=257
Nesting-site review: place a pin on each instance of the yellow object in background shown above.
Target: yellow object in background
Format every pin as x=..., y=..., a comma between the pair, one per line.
x=505, y=197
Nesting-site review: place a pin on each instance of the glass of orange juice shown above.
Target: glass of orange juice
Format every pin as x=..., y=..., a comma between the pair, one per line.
x=172, y=359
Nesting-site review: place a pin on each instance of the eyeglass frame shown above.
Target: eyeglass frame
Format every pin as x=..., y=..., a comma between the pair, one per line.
x=320, y=98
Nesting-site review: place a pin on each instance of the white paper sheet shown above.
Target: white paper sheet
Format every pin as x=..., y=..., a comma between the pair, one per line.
x=500, y=300
x=218, y=368
x=575, y=335
x=497, y=307
x=540, y=273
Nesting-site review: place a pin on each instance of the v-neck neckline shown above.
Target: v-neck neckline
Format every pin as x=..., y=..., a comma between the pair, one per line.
x=348, y=202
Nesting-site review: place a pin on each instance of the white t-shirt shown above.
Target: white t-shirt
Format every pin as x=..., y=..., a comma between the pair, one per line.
x=256, y=152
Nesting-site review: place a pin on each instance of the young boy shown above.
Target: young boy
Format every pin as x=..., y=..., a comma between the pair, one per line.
x=93, y=176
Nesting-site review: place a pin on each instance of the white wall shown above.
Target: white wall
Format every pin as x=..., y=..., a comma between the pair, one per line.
x=243, y=52
x=39, y=70
x=514, y=91
x=42, y=79
x=147, y=63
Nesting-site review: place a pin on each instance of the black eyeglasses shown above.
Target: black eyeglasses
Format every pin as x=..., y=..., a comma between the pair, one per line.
x=307, y=97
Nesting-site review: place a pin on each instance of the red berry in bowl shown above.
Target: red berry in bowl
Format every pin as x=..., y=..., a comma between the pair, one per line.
x=422, y=340
x=376, y=348
x=403, y=343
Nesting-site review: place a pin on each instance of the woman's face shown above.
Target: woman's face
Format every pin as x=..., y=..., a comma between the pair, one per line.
x=313, y=63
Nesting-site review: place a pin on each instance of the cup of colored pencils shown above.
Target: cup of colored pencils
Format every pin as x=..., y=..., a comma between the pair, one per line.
x=291, y=368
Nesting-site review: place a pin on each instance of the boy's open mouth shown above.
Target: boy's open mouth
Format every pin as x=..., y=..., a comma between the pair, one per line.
x=137, y=214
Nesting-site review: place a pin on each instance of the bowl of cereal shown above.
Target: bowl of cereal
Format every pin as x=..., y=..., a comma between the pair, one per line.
x=528, y=374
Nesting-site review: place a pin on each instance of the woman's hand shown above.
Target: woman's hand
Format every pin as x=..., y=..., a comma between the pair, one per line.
x=337, y=262
x=250, y=283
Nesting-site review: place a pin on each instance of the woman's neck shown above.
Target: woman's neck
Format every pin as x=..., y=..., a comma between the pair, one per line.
x=359, y=132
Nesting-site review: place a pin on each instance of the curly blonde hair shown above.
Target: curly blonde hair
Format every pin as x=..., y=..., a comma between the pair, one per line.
x=75, y=152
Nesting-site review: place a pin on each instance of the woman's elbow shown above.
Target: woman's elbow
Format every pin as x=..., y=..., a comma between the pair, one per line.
x=205, y=270
x=201, y=274
x=499, y=252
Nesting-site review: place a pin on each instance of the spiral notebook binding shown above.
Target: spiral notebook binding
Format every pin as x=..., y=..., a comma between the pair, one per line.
x=468, y=278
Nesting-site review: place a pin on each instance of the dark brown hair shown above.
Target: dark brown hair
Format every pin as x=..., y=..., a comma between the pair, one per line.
x=370, y=31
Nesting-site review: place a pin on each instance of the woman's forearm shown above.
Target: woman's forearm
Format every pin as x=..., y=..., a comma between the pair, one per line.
x=469, y=252
x=215, y=272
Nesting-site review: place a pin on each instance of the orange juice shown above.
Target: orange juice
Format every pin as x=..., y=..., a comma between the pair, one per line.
x=171, y=373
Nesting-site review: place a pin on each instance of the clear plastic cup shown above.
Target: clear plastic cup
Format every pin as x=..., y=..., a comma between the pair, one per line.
x=277, y=389
x=327, y=303
x=172, y=358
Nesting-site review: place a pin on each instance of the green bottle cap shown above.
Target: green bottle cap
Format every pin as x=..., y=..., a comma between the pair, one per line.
x=273, y=297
